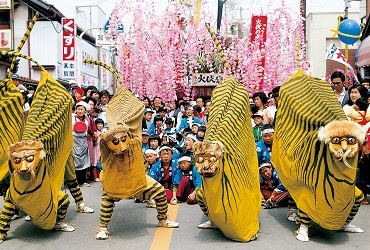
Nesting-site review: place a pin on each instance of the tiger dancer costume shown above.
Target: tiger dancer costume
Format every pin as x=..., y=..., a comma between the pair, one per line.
x=227, y=160
x=315, y=151
x=123, y=174
x=38, y=162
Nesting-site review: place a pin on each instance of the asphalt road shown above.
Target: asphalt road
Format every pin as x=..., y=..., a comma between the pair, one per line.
x=134, y=226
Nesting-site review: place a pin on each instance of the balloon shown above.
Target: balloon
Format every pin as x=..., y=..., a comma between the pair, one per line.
x=349, y=31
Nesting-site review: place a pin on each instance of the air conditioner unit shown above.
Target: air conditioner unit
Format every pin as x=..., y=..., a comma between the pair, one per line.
x=365, y=72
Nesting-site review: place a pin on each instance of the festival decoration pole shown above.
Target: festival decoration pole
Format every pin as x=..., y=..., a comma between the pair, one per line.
x=346, y=45
x=23, y=40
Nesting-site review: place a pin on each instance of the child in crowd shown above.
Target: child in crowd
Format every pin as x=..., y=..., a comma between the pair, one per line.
x=162, y=112
x=258, y=124
x=195, y=128
x=170, y=129
x=164, y=171
x=201, y=133
x=186, y=180
x=151, y=157
x=157, y=127
x=147, y=118
x=96, y=148
x=154, y=142
x=272, y=190
x=145, y=140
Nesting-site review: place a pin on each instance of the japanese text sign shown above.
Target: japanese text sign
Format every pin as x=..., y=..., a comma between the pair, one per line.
x=68, y=47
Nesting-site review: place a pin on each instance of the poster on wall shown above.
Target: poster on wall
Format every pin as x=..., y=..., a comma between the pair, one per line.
x=6, y=39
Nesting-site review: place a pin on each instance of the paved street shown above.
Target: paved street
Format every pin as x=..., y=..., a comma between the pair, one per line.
x=134, y=226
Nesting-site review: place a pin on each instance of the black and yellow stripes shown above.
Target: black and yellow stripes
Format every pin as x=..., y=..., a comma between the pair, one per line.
x=201, y=201
x=106, y=209
x=5, y=216
x=50, y=119
x=16, y=54
x=11, y=121
x=322, y=186
x=235, y=188
x=219, y=49
x=24, y=38
x=106, y=66
x=63, y=203
x=124, y=107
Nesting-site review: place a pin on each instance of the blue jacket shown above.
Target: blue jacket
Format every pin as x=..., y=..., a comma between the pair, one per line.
x=345, y=99
x=156, y=170
x=195, y=177
x=184, y=123
x=262, y=152
x=275, y=181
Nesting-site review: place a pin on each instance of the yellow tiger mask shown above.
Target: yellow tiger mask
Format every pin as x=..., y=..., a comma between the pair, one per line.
x=25, y=156
x=118, y=140
x=208, y=156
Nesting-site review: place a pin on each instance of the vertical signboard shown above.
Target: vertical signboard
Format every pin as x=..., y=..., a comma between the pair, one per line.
x=258, y=35
x=68, y=48
x=104, y=72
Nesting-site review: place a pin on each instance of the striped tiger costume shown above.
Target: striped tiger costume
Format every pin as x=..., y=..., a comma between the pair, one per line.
x=227, y=160
x=317, y=165
x=11, y=121
x=37, y=162
x=123, y=174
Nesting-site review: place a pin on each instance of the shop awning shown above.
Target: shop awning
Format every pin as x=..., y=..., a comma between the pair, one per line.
x=362, y=56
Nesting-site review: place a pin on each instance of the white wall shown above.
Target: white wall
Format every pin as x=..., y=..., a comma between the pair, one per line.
x=319, y=36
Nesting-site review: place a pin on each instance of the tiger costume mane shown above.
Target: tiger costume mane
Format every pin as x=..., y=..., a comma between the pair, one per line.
x=227, y=161
x=310, y=127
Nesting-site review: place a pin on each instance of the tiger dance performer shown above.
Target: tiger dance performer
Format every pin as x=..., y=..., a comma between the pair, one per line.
x=37, y=162
x=227, y=160
x=315, y=152
x=123, y=174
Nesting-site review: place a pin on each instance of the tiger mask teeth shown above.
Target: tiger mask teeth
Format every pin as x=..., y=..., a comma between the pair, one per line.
x=208, y=157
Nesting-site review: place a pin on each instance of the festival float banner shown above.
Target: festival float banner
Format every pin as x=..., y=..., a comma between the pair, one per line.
x=258, y=35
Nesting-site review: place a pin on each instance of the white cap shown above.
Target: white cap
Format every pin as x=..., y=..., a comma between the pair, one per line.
x=84, y=104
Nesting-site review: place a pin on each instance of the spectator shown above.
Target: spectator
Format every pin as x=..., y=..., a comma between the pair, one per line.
x=186, y=180
x=258, y=124
x=272, y=190
x=264, y=146
x=337, y=79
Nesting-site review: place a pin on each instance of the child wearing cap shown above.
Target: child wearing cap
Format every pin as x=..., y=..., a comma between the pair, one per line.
x=164, y=171
x=145, y=140
x=186, y=180
x=147, y=118
x=258, y=124
x=272, y=190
